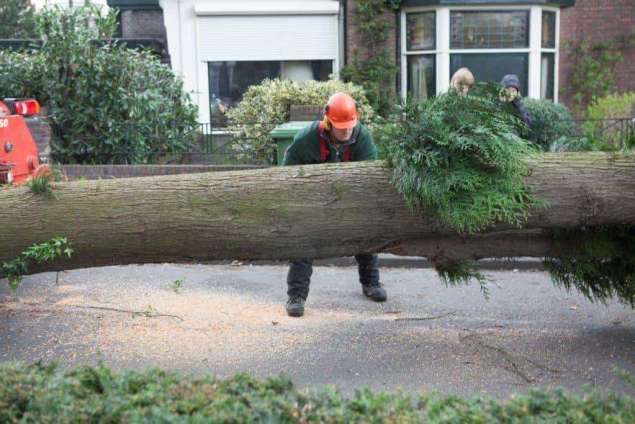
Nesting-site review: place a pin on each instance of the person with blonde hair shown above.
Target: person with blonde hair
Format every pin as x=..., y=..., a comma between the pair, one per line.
x=462, y=81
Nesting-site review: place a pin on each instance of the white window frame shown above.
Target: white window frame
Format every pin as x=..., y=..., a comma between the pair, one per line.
x=555, y=50
x=442, y=49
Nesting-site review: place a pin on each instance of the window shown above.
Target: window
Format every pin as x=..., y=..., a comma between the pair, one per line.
x=493, y=66
x=421, y=76
x=488, y=30
x=421, y=31
x=421, y=61
x=228, y=80
x=490, y=39
x=548, y=55
x=485, y=30
x=548, y=30
x=547, y=73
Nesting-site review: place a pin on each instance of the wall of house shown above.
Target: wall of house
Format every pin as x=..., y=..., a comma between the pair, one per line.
x=354, y=42
x=142, y=24
x=199, y=32
x=599, y=20
x=145, y=24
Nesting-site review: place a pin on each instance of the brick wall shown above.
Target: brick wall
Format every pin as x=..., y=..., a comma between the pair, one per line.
x=354, y=42
x=600, y=20
x=142, y=24
x=145, y=24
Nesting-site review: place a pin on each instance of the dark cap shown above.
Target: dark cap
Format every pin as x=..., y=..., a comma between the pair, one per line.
x=511, y=80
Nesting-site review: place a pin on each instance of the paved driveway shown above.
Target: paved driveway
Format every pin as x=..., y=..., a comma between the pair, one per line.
x=225, y=319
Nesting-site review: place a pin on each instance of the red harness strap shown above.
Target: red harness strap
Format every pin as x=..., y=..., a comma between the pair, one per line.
x=325, y=152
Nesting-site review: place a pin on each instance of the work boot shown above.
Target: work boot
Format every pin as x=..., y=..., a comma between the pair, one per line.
x=295, y=306
x=375, y=292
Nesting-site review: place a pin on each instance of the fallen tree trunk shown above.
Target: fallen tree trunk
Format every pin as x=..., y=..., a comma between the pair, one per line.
x=310, y=211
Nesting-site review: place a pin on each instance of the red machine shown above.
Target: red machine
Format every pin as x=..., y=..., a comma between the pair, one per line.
x=19, y=157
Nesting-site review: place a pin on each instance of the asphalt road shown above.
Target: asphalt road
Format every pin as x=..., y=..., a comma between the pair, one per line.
x=226, y=319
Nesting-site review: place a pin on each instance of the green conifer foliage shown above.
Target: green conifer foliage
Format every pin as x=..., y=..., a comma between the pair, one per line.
x=461, y=158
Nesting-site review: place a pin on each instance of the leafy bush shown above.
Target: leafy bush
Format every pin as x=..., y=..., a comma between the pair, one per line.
x=375, y=74
x=38, y=393
x=266, y=105
x=384, y=132
x=601, y=127
x=21, y=74
x=549, y=122
x=571, y=144
x=17, y=19
x=106, y=103
x=461, y=158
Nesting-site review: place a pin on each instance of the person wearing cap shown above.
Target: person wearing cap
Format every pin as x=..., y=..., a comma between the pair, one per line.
x=339, y=137
x=511, y=94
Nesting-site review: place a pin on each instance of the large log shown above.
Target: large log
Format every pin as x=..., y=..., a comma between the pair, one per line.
x=309, y=211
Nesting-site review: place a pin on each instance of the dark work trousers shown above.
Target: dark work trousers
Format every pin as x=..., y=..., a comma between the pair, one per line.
x=300, y=271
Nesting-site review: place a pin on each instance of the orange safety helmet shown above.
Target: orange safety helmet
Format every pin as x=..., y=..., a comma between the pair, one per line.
x=341, y=111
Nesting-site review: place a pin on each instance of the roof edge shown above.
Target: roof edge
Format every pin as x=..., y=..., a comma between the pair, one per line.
x=558, y=3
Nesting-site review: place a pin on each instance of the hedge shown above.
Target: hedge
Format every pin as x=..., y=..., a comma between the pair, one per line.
x=40, y=393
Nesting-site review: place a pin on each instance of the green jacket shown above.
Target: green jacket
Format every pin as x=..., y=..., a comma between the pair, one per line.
x=305, y=149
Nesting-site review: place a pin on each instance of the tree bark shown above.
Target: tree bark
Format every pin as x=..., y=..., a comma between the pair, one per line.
x=290, y=212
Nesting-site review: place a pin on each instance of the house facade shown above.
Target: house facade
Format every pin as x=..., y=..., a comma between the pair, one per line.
x=493, y=39
x=220, y=47
x=531, y=38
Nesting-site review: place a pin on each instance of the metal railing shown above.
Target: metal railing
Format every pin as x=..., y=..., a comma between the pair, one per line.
x=209, y=144
x=609, y=133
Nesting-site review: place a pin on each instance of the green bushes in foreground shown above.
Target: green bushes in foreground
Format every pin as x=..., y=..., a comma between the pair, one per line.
x=550, y=122
x=602, y=128
x=37, y=393
x=106, y=103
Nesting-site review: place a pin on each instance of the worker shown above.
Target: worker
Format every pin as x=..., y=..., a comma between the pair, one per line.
x=511, y=94
x=462, y=81
x=339, y=137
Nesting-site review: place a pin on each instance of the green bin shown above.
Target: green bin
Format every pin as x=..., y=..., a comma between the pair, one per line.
x=283, y=136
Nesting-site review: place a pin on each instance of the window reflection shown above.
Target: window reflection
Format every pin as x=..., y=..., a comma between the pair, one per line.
x=421, y=31
x=491, y=29
x=228, y=80
x=422, y=76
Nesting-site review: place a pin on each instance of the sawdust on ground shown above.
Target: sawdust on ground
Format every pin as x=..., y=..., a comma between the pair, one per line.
x=162, y=325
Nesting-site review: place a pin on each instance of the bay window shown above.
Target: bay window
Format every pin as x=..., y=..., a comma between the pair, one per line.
x=490, y=41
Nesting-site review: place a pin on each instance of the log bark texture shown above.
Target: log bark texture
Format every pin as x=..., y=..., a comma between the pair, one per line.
x=289, y=212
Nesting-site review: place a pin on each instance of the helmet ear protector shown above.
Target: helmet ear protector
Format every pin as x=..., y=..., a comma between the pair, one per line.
x=341, y=111
x=326, y=124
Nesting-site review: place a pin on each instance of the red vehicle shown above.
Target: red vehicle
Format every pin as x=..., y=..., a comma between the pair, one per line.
x=19, y=157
